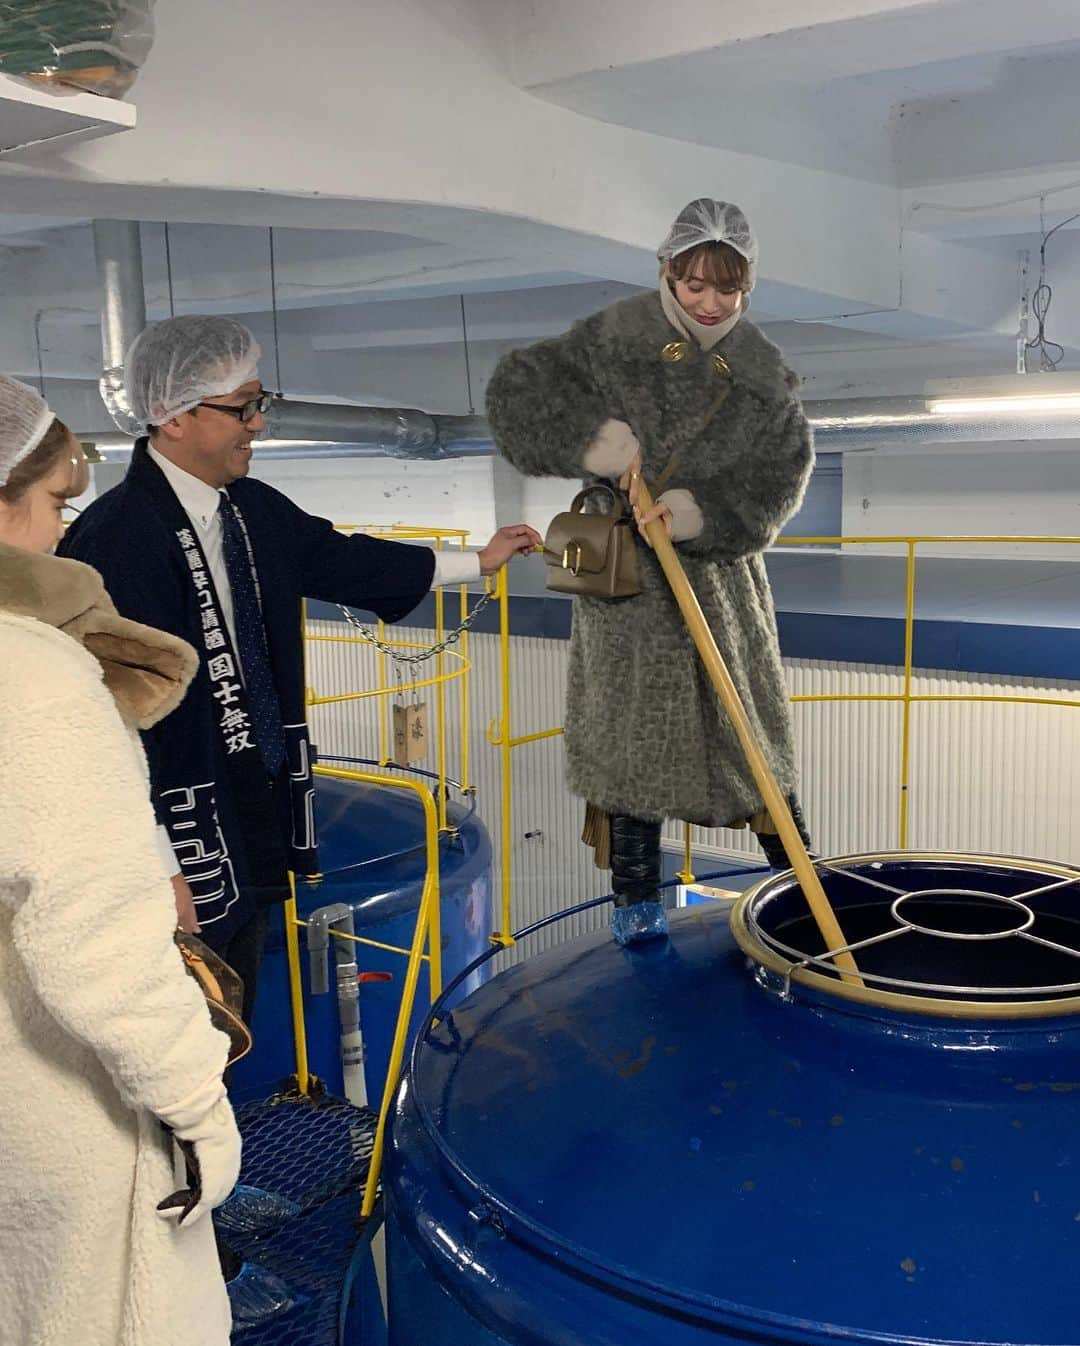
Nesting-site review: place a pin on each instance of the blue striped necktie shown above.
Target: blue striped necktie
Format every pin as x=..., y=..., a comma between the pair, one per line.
x=251, y=648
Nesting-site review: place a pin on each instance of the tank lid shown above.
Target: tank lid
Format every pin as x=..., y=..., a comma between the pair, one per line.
x=962, y=936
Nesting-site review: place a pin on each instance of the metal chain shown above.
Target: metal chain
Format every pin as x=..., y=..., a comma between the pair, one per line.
x=423, y=655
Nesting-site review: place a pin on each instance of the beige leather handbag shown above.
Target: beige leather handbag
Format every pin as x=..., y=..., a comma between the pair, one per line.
x=593, y=555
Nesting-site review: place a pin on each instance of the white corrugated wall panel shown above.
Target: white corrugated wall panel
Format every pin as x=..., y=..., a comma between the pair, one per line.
x=551, y=869
x=982, y=777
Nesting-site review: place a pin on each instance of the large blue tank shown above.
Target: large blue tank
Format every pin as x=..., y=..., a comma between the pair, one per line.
x=712, y=1139
x=373, y=858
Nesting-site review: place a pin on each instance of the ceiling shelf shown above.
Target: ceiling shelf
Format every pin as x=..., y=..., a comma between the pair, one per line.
x=34, y=120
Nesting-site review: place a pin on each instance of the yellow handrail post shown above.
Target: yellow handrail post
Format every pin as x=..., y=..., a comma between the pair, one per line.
x=440, y=702
x=426, y=930
x=503, y=935
x=384, y=702
x=771, y=793
x=466, y=783
x=296, y=990
x=304, y=646
x=909, y=649
x=397, y=1053
x=686, y=875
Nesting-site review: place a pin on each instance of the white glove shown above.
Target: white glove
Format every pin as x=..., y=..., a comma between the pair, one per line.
x=204, y=1128
x=612, y=451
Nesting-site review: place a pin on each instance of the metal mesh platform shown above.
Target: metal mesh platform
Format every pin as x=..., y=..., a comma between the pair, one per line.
x=314, y=1153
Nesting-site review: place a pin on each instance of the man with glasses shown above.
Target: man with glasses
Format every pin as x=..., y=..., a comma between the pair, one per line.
x=188, y=543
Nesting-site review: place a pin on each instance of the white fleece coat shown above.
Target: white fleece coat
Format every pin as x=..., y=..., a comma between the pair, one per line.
x=99, y=1024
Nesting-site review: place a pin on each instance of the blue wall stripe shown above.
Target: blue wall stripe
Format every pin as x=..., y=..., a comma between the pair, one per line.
x=965, y=647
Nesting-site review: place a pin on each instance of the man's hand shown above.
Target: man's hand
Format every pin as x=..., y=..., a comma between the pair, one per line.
x=516, y=540
x=185, y=906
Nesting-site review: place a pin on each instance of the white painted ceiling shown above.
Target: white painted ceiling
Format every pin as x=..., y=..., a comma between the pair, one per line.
x=490, y=170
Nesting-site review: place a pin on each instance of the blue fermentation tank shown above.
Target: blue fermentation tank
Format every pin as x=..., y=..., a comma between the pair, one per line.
x=712, y=1139
x=372, y=852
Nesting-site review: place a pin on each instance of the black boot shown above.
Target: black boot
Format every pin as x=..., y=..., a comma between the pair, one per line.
x=770, y=842
x=635, y=880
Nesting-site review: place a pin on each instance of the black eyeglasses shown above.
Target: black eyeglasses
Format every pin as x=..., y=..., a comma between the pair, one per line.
x=258, y=406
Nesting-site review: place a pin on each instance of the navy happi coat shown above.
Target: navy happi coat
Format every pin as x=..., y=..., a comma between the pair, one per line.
x=234, y=832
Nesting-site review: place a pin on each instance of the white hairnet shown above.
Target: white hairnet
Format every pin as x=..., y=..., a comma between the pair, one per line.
x=174, y=365
x=25, y=418
x=709, y=221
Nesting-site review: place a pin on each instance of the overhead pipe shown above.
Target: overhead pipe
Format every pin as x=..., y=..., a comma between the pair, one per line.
x=317, y=430
x=305, y=430
x=397, y=432
x=118, y=253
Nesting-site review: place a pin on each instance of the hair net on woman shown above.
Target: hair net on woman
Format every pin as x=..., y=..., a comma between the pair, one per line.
x=174, y=365
x=25, y=418
x=709, y=221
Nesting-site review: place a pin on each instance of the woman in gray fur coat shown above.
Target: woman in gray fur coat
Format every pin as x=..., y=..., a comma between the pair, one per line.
x=679, y=383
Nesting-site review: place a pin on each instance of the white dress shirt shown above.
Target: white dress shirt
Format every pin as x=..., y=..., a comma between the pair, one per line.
x=201, y=502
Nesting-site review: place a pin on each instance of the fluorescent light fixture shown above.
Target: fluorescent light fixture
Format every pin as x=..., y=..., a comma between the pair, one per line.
x=1007, y=395
x=1017, y=406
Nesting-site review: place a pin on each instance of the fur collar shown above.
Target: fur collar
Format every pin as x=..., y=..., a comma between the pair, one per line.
x=755, y=362
x=146, y=670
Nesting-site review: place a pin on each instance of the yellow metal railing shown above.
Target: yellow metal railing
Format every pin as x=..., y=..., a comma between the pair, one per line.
x=500, y=734
x=439, y=538
x=907, y=698
x=427, y=935
x=427, y=938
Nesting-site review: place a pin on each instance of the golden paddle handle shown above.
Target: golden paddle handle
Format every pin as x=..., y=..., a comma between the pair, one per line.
x=771, y=794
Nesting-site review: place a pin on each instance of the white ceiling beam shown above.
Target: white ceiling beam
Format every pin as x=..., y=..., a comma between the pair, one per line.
x=774, y=41
x=323, y=130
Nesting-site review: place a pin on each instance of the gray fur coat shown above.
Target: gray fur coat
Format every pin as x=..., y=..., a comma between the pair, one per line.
x=645, y=733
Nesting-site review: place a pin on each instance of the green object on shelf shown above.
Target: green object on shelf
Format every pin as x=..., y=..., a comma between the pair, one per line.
x=96, y=45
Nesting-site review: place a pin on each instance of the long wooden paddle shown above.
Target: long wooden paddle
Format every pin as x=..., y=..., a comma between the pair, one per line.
x=771, y=794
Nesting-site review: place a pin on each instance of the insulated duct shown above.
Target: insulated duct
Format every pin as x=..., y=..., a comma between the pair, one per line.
x=118, y=252
x=852, y=425
x=397, y=432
